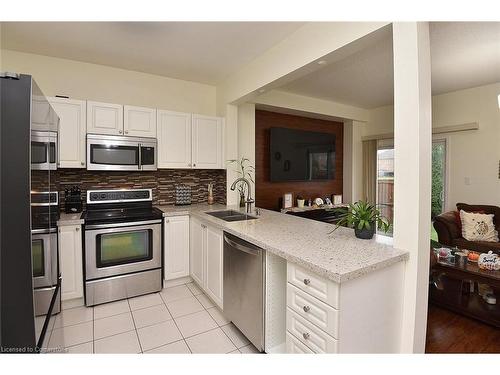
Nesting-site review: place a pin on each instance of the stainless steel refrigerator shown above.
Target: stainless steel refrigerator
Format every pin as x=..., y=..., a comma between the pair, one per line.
x=29, y=271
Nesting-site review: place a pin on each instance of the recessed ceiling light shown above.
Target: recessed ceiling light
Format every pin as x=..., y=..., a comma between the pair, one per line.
x=321, y=62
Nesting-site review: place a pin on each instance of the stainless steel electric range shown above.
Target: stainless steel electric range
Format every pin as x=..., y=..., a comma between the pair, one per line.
x=122, y=245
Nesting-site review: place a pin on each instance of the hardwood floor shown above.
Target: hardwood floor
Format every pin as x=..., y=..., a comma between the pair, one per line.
x=448, y=332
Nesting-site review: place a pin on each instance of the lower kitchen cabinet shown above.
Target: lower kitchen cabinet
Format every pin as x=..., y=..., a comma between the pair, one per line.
x=214, y=254
x=362, y=315
x=176, y=247
x=70, y=261
x=206, y=259
x=196, y=244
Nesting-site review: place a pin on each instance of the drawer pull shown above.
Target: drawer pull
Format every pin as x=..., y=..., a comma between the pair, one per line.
x=307, y=281
x=305, y=335
x=306, y=308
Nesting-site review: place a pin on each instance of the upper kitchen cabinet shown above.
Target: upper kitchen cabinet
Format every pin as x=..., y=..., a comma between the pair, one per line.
x=72, y=131
x=174, y=139
x=104, y=118
x=207, y=142
x=139, y=121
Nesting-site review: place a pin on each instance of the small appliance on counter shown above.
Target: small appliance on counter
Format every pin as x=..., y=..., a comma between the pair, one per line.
x=73, y=200
x=182, y=195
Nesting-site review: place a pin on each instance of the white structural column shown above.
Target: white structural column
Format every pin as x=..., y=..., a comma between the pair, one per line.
x=353, y=160
x=231, y=152
x=412, y=173
x=246, y=136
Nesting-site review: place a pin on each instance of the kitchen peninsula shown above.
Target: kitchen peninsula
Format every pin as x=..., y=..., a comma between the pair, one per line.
x=326, y=292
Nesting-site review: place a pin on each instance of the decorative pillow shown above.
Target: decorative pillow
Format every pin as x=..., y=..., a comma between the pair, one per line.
x=459, y=220
x=478, y=227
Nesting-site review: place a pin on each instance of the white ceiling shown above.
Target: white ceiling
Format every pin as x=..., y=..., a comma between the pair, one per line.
x=463, y=55
x=205, y=52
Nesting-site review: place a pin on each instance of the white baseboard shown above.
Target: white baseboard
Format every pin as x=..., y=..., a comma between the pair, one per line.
x=71, y=303
x=176, y=282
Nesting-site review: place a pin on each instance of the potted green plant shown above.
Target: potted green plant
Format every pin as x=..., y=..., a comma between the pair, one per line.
x=364, y=218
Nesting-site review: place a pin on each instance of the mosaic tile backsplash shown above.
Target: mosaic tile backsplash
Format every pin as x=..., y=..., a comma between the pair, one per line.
x=162, y=182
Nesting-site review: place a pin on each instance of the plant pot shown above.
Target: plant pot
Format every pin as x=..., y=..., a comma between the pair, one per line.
x=365, y=234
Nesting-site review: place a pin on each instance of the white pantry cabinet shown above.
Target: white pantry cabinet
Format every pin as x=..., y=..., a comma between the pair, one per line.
x=206, y=259
x=176, y=247
x=174, y=139
x=139, y=121
x=104, y=118
x=207, y=142
x=72, y=131
x=70, y=260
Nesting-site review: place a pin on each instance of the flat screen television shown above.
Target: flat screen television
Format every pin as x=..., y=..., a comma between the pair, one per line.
x=298, y=155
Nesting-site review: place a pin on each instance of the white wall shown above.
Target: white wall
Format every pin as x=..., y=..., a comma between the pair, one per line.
x=103, y=83
x=472, y=155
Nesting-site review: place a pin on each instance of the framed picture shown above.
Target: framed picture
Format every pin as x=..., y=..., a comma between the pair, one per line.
x=288, y=200
x=337, y=199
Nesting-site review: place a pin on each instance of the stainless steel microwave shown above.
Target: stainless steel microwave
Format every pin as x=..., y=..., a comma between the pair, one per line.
x=117, y=153
x=43, y=150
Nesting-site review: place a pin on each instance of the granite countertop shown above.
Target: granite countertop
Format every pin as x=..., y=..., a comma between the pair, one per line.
x=338, y=256
x=69, y=219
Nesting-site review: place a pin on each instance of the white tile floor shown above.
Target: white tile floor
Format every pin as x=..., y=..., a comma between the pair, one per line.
x=180, y=319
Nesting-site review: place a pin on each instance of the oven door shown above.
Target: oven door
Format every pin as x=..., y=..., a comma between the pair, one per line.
x=43, y=150
x=44, y=257
x=111, y=153
x=117, y=249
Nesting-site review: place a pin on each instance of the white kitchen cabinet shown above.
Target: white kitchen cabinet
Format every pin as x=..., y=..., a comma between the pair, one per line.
x=213, y=264
x=361, y=315
x=176, y=247
x=206, y=259
x=104, y=118
x=174, y=139
x=207, y=142
x=72, y=131
x=196, y=245
x=70, y=261
x=139, y=121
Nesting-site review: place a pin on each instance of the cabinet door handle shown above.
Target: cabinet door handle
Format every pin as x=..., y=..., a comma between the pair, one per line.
x=126, y=131
x=119, y=131
x=77, y=229
x=307, y=281
x=194, y=165
x=82, y=163
x=166, y=221
x=306, y=308
x=305, y=335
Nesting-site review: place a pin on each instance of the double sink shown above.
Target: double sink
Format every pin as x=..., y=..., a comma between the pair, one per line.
x=231, y=215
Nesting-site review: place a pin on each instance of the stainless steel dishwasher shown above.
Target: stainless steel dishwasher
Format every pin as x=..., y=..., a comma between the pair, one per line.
x=244, y=281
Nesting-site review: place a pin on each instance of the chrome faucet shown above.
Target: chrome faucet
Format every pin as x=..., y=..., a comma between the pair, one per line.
x=249, y=199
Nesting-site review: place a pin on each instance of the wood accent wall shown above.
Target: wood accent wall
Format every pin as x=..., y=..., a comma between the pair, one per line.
x=268, y=194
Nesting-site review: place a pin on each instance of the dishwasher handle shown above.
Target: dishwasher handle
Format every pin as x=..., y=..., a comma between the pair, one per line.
x=242, y=247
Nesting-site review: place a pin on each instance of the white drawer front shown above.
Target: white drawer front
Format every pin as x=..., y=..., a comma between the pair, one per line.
x=310, y=335
x=294, y=346
x=323, y=289
x=313, y=310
